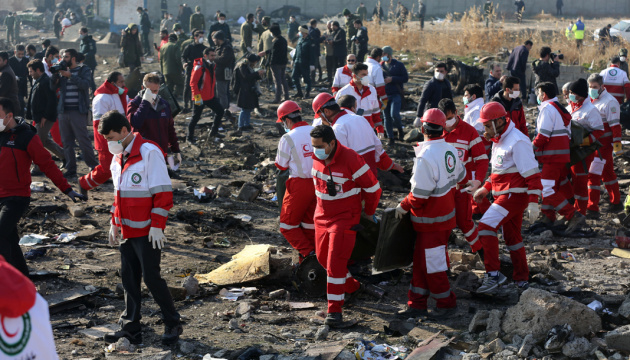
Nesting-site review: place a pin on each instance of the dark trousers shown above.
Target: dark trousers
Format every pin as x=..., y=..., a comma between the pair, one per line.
x=139, y=260
x=187, y=91
x=330, y=67
x=301, y=71
x=146, y=45
x=340, y=61
x=280, y=81
x=213, y=104
x=361, y=54
x=11, y=210
x=175, y=83
x=523, y=84
x=422, y=23
x=318, y=67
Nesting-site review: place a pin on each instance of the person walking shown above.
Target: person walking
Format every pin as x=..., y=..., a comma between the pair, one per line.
x=361, y=40
x=171, y=65
x=89, y=14
x=131, y=47
x=367, y=99
x=111, y=95
x=197, y=20
x=185, y=12
x=559, y=5
x=517, y=64
x=422, y=10
x=73, y=85
x=339, y=45
x=42, y=109
x=317, y=38
x=351, y=30
x=203, y=86
x=247, y=34
x=578, y=32
x=303, y=62
x=225, y=61
x=278, y=61
x=293, y=30
x=396, y=76
x=433, y=91
x=143, y=197
x=247, y=90
x=362, y=12
x=145, y=30
x=220, y=25
x=18, y=63
x=192, y=52
x=88, y=49
x=9, y=84
x=616, y=80
x=9, y=22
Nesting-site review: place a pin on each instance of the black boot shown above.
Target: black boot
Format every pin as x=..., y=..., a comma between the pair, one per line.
x=134, y=338
x=171, y=334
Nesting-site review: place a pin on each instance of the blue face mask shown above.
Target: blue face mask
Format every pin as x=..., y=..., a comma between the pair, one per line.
x=538, y=100
x=572, y=98
x=385, y=58
x=321, y=154
x=594, y=93
x=465, y=100
x=121, y=91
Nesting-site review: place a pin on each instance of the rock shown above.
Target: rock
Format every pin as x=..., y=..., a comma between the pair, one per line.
x=538, y=311
x=345, y=355
x=224, y=191
x=277, y=294
x=77, y=211
x=191, y=285
x=494, y=322
x=178, y=293
x=526, y=347
x=123, y=344
x=546, y=235
x=89, y=254
x=250, y=161
x=243, y=308
x=267, y=357
x=413, y=135
x=270, y=339
x=619, y=339
x=556, y=275
x=577, y=348
x=234, y=325
x=471, y=357
x=249, y=192
x=186, y=347
x=496, y=346
x=479, y=321
x=322, y=333
x=624, y=309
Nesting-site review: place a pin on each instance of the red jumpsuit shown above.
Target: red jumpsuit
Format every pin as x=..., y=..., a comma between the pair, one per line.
x=298, y=206
x=472, y=153
x=587, y=115
x=106, y=98
x=336, y=215
x=431, y=201
x=551, y=147
x=514, y=181
x=609, y=110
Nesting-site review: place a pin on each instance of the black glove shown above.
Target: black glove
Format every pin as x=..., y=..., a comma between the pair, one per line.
x=74, y=196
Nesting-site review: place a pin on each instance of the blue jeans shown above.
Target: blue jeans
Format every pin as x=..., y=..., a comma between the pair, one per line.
x=243, y=118
x=392, y=114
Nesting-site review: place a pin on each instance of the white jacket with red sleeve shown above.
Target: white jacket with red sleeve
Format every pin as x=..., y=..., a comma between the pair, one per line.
x=609, y=109
x=355, y=132
x=375, y=74
x=367, y=100
x=144, y=194
x=343, y=75
x=295, y=151
x=514, y=167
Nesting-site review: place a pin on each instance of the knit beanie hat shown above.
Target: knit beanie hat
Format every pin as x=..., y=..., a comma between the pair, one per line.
x=579, y=87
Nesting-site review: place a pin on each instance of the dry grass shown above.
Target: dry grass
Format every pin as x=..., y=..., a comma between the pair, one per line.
x=466, y=37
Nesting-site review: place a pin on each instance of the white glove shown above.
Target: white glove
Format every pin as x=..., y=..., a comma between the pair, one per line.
x=156, y=236
x=400, y=212
x=148, y=96
x=473, y=185
x=312, y=67
x=533, y=210
x=417, y=122
x=114, y=235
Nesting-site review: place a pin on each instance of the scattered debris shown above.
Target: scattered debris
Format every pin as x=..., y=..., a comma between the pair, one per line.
x=248, y=265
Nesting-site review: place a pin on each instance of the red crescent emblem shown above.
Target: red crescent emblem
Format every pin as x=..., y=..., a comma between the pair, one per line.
x=305, y=147
x=4, y=329
x=450, y=161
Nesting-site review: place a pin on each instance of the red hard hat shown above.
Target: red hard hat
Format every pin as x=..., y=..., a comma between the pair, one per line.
x=287, y=108
x=434, y=116
x=320, y=100
x=490, y=111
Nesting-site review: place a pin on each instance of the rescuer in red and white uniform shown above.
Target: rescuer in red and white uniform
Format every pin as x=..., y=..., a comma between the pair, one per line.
x=354, y=132
x=143, y=197
x=515, y=185
x=368, y=105
x=472, y=154
x=342, y=181
x=616, y=80
x=112, y=95
x=583, y=112
x=295, y=154
x=611, y=142
x=436, y=173
x=551, y=148
x=343, y=75
x=375, y=74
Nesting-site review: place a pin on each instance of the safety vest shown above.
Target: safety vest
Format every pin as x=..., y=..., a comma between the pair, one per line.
x=578, y=30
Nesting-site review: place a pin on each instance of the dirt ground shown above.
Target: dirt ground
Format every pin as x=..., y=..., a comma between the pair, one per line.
x=202, y=236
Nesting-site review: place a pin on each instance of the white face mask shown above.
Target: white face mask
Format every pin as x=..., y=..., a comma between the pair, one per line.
x=221, y=21
x=623, y=59
x=514, y=94
x=438, y=76
x=200, y=40
x=350, y=66
x=116, y=147
x=451, y=122
x=2, y=126
x=365, y=81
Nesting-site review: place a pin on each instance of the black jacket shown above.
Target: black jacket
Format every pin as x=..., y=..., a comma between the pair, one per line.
x=225, y=28
x=225, y=60
x=432, y=94
x=88, y=48
x=9, y=87
x=42, y=102
x=517, y=62
x=21, y=71
x=245, y=86
x=339, y=43
x=192, y=52
x=546, y=71
x=278, y=51
x=362, y=37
